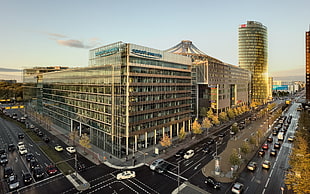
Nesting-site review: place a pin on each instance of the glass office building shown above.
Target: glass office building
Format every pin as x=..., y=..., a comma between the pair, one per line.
x=253, y=57
x=126, y=99
x=308, y=66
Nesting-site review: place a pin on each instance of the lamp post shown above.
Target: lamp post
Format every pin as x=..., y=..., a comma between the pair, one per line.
x=177, y=166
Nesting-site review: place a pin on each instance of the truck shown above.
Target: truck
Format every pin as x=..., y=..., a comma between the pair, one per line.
x=280, y=136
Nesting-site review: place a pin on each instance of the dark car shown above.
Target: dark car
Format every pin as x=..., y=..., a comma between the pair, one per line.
x=40, y=134
x=51, y=170
x=180, y=153
x=27, y=178
x=8, y=171
x=270, y=139
x=46, y=139
x=33, y=163
x=21, y=136
x=11, y=147
x=38, y=173
x=275, y=132
x=261, y=152
x=29, y=156
x=273, y=152
x=222, y=135
x=2, y=151
x=277, y=145
x=207, y=149
x=212, y=182
x=211, y=141
x=3, y=159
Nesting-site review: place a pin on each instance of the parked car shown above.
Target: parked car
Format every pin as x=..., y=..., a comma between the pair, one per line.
x=261, y=152
x=71, y=149
x=212, y=182
x=156, y=163
x=252, y=166
x=180, y=153
x=13, y=182
x=265, y=146
x=266, y=164
x=59, y=148
x=189, y=154
x=27, y=178
x=237, y=188
x=125, y=175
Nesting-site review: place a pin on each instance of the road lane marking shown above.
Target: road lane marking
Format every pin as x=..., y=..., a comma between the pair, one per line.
x=267, y=182
x=197, y=166
x=252, y=178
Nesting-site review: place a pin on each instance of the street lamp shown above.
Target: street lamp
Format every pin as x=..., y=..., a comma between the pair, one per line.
x=177, y=166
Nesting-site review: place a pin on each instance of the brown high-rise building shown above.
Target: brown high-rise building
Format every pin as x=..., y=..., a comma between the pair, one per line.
x=308, y=66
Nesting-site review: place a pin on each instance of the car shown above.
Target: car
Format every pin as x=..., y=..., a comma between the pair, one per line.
x=46, y=139
x=222, y=135
x=237, y=188
x=27, y=178
x=11, y=147
x=22, y=150
x=290, y=138
x=40, y=134
x=265, y=146
x=180, y=153
x=21, y=136
x=8, y=171
x=29, y=156
x=270, y=139
x=273, y=152
x=276, y=145
x=2, y=151
x=13, y=182
x=126, y=175
x=206, y=149
x=212, y=182
x=189, y=154
x=33, y=163
x=59, y=148
x=275, y=132
x=266, y=164
x=252, y=166
x=162, y=167
x=71, y=149
x=20, y=144
x=156, y=163
x=38, y=173
x=81, y=166
x=51, y=169
x=261, y=152
x=3, y=159
x=211, y=141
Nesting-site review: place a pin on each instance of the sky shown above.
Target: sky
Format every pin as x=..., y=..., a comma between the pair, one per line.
x=60, y=33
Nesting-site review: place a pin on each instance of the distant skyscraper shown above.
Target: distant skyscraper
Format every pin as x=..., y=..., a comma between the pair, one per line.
x=308, y=66
x=253, y=57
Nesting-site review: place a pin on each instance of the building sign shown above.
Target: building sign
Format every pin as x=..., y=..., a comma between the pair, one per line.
x=279, y=87
x=107, y=52
x=145, y=53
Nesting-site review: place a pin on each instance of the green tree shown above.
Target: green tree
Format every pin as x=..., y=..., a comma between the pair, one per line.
x=196, y=127
x=85, y=141
x=234, y=158
x=245, y=148
x=206, y=123
x=165, y=141
x=235, y=128
x=223, y=117
x=182, y=134
x=230, y=113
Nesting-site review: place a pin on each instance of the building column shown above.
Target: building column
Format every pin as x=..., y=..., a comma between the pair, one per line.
x=155, y=133
x=189, y=125
x=136, y=143
x=171, y=131
x=127, y=144
x=145, y=136
x=178, y=129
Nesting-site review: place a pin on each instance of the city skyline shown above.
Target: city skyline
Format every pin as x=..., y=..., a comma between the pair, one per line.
x=59, y=34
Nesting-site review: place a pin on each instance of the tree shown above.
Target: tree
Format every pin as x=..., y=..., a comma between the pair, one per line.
x=223, y=117
x=206, y=123
x=210, y=113
x=235, y=128
x=252, y=141
x=230, y=113
x=73, y=135
x=245, y=148
x=165, y=141
x=182, y=134
x=240, y=111
x=196, y=127
x=234, y=158
x=236, y=111
x=85, y=141
x=215, y=120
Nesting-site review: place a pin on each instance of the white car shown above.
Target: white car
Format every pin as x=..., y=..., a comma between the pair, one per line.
x=70, y=149
x=237, y=188
x=20, y=144
x=156, y=163
x=126, y=175
x=22, y=150
x=189, y=154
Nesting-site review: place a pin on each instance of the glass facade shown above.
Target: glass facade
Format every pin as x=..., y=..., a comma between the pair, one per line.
x=253, y=57
x=308, y=66
x=125, y=100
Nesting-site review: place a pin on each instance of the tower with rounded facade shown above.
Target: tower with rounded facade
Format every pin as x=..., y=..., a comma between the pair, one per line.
x=253, y=57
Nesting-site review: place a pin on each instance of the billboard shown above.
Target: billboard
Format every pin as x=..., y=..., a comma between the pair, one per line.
x=279, y=87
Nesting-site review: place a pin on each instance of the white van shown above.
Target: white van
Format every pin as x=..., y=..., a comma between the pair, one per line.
x=280, y=136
